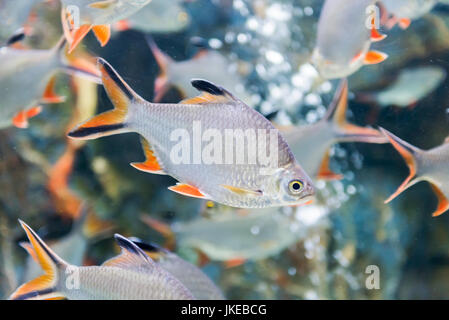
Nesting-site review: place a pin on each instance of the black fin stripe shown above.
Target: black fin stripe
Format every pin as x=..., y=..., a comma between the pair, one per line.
x=117, y=80
x=130, y=246
x=34, y=294
x=84, y=132
x=204, y=85
x=16, y=38
x=147, y=246
x=44, y=247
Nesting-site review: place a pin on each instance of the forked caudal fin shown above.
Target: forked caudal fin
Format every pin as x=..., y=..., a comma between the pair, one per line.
x=112, y=121
x=161, y=84
x=43, y=287
x=408, y=152
x=347, y=132
x=411, y=154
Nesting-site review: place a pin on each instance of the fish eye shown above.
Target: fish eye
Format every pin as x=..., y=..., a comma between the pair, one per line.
x=295, y=186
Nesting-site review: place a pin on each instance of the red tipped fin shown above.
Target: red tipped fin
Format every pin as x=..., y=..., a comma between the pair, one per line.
x=406, y=151
x=231, y=263
x=112, y=121
x=150, y=164
x=43, y=286
x=404, y=23
x=122, y=25
x=187, y=190
x=20, y=120
x=34, y=111
x=103, y=33
x=443, y=203
x=376, y=35
x=49, y=94
x=325, y=172
x=78, y=35
x=375, y=57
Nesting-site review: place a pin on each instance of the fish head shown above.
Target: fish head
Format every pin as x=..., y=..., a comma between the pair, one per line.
x=294, y=186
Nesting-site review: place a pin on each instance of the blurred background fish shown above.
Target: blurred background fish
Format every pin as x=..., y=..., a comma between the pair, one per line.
x=411, y=85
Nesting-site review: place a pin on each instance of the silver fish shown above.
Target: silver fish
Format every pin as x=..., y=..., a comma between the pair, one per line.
x=191, y=276
x=256, y=234
x=157, y=16
x=424, y=165
x=404, y=11
x=412, y=85
x=344, y=39
x=27, y=79
x=319, y=137
x=245, y=184
x=207, y=64
x=131, y=275
x=80, y=16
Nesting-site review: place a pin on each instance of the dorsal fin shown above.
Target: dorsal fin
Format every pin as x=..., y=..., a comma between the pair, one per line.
x=18, y=36
x=132, y=257
x=154, y=251
x=337, y=109
x=210, y=93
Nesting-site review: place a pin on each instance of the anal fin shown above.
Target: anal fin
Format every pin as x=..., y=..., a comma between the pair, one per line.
x=443, y=202
x=151, y=163
x=325, y=172
x=375, y=57
x=102, y=33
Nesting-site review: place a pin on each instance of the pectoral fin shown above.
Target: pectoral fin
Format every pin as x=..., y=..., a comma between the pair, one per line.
x=375, y=57
x=325, y=172
x=443, y=202
x=242, y=191
x=105, y=4
x=187, y=190
x=102, y=33
x=151, y=163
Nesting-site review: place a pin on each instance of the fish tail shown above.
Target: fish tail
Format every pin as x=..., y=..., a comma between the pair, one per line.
x=163, y=61
x=113, y=121
x=411, y=157
x=345, y=131
x=43, y=287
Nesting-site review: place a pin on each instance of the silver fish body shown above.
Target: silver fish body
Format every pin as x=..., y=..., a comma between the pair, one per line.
x=113, y=283
x=189, y=275
x=343, y=38
x=115, y=11
x=23, y=77
x=412, y=85
x=410, y=9
x=223, y=178
x=160, y=16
